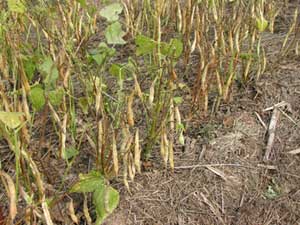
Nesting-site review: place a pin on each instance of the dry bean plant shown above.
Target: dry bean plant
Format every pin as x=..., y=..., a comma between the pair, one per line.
x=66, y=85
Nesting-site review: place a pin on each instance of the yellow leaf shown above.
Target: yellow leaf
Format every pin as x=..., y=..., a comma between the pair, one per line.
x=11, y=119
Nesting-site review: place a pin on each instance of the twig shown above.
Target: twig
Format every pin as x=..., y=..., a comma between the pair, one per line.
x=202, y=152
x=206, y=165
x=294, y=152
x=215, y=208
x=290, y=118
x=261, y=121
x=225, y=177
x=269, y=167
x=271, y=132
x=280, y=104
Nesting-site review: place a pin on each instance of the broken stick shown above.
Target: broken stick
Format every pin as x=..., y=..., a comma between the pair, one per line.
x=271, y=132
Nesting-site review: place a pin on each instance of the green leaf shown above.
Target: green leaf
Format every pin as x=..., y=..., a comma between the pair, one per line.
x=50, y=72
x=145, y=45
x=131, y=64
x=176, y=47
x=37, y=98
x=118, y=71
x=11, y=119
x=179, y=127
x=172, y=49
x=56, y=96
x=106, y=201
x=103, y=48
x=99, y=58
x=178, y=100
x=92, y=10
x=88, y=182
x=164, y=48
x=82, y=3
x=4, y=15
x=30, y=67
x=70, y=153
x=181, y=138
x=247, y=56
x=111, y=12
x=261, y=24
x=271, y=193
x=101, y=54
x=114, y=34
x=16, y=6
x=84, y=105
